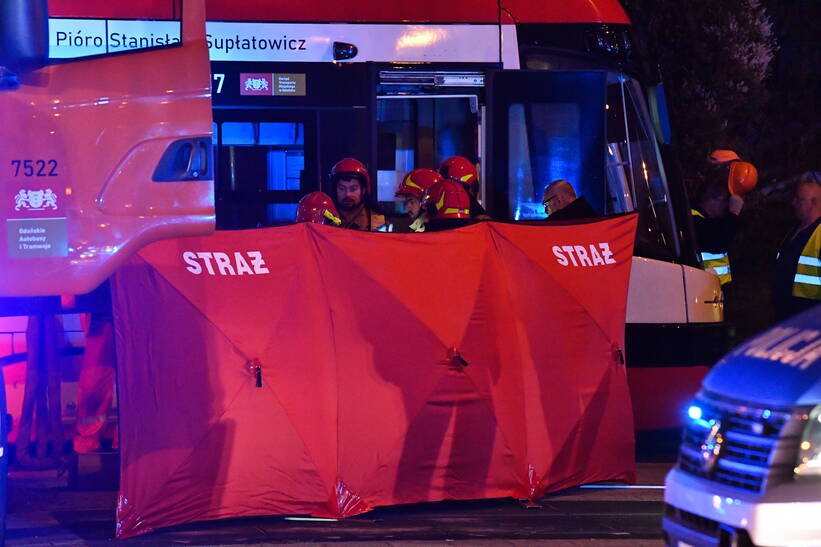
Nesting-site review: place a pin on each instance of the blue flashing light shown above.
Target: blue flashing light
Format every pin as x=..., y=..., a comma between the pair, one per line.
x=766, y=414
x=694, y=412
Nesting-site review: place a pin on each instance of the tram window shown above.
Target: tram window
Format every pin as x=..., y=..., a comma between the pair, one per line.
x=261, y=172
x=417, y=132
x=547, y=141
x=636, y=174
x=386, y=161
x=281, y=212
x=539, y=59
x=345, y=134
x=262, y=133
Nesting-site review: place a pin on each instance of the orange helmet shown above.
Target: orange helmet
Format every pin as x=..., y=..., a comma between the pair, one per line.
x=317, y=207
x=722, y=156
x=461, y=170
x=446, y=199
x=416, y=182
x=742, y=178
x=351, y=168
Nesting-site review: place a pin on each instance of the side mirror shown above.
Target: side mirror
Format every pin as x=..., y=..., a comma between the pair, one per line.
x=23, y=34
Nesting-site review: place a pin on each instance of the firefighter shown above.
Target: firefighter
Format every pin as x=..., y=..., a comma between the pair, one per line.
x=319, y=208
x=411, y=191
x=797, y=284
x=462, y=170
x=560, y=202
x=447, y=205
x=351, y=187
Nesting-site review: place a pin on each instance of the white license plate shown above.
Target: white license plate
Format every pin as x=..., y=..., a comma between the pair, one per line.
x=684, y=544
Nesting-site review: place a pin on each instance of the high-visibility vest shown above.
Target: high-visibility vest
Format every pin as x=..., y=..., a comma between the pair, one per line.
x=807, y=282
x=718, y=263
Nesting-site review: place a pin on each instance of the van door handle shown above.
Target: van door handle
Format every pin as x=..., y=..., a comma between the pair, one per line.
x=197, y=161
x=185, y=160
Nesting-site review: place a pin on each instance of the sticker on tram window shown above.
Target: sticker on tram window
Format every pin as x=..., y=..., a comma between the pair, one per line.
x=277, y=85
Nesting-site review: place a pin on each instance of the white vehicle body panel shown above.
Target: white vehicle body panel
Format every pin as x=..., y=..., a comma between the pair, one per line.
x=787, y=514
x=664, y=292
x=656, y=292
x=705, y=302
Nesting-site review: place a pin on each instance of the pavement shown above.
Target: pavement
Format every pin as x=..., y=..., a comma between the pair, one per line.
x=44, y=511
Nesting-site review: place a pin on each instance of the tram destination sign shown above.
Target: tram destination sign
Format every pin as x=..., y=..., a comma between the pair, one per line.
x=291, y=42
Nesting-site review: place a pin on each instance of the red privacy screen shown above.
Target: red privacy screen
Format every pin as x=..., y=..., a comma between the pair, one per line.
x=313, y=370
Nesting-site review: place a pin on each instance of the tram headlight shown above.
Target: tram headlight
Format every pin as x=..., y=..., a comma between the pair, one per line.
x=809, y=451
x=610, y=41
x=344, y=50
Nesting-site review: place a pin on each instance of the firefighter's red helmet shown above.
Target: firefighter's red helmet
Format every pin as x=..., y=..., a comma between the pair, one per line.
x=317, y=207
x=350, y=168
x=446, y=199
x=416, y=182
x=461, y=170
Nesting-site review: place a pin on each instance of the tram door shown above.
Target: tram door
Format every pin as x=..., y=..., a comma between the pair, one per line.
x=422, y=119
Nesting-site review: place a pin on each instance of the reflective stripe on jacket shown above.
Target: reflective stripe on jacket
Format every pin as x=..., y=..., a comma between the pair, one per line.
x=807, y=283
x=718, y=263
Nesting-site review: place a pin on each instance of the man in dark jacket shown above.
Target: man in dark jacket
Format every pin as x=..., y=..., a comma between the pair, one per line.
x=797, y=284
x=560, y=202
x=715, y=220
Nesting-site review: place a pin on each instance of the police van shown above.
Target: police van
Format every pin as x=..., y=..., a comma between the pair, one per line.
x=749, y=467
